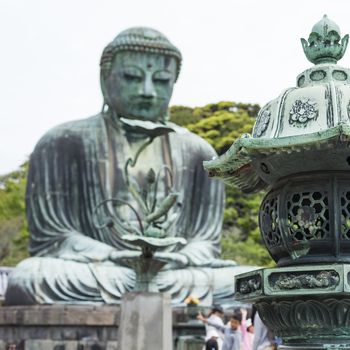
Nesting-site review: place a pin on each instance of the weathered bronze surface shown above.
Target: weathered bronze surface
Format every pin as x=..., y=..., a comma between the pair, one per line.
x=299, y=151
x=78, y=232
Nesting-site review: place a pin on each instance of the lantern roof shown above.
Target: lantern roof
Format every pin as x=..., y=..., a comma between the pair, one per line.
x=312, y=118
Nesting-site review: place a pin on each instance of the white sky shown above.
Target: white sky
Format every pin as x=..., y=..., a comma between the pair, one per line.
x=240, y=50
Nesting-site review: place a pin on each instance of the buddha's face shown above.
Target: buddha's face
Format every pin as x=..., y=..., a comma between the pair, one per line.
x=140, y=85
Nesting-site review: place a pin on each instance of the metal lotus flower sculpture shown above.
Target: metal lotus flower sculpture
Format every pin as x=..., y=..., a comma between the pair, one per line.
x=325, y=44
x=149, y=234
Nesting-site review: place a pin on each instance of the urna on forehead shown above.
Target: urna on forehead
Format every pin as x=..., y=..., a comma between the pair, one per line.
x=144, y=40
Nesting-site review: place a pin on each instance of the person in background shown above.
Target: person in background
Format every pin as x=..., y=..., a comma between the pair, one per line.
x=232, y=335
x=250, y=327
x=215, y=317
x=247, y=338
x=11, y=346
x=248, y=335
x=211, y=344
x=263, y=337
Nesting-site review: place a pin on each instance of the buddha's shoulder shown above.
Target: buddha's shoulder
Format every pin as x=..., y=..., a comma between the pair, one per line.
x=192, y=141
x=73, y=129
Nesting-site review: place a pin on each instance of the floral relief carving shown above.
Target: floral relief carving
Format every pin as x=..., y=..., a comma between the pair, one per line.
x=249, y=286
x=303, y=111
x=323, y=279
x=262, y=122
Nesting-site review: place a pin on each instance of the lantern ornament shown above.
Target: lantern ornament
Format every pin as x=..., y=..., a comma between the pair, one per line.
x=299, y=153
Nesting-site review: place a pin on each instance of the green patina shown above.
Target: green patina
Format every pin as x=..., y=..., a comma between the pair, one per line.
x=325, y=44
x=123, y=192
x=299, y=151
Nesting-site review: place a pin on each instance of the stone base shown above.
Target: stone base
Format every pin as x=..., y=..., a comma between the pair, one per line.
x=307, y=306
x=58, y=345
x=145, y=321
x=73, y=327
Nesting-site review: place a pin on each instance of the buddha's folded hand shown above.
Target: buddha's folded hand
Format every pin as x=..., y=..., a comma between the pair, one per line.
x=175, y=260
x=83, y=249
x=218, y=263
x=117, y=256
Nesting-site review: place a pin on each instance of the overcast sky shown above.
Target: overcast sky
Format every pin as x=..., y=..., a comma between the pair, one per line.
x=240, y=50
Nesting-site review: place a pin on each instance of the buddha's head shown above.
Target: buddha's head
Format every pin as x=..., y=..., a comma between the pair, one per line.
x=138, y=71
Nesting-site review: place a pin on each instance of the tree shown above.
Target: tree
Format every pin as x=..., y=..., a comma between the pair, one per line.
x=13, y=225
x=220, y=124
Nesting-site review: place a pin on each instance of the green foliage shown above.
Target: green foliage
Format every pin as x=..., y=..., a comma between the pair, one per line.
x=13, y=226
x=241, y=240
x=220, y=124
x=182, y=115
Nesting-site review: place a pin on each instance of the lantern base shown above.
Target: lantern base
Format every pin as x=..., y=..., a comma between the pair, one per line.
x=307, y=306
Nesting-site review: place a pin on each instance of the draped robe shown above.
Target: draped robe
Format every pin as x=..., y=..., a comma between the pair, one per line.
x=75, y=167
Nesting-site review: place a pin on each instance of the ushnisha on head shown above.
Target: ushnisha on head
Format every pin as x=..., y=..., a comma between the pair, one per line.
x=138, y=71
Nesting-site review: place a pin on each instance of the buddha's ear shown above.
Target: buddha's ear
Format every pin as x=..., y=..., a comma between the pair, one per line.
x=103, y=88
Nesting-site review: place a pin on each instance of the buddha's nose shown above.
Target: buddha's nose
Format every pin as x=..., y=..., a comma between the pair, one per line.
x=148, y=89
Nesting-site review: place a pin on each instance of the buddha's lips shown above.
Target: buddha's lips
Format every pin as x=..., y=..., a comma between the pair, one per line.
x=143, y=102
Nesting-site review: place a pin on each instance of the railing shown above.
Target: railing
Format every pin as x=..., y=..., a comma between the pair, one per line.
x=4, y=274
